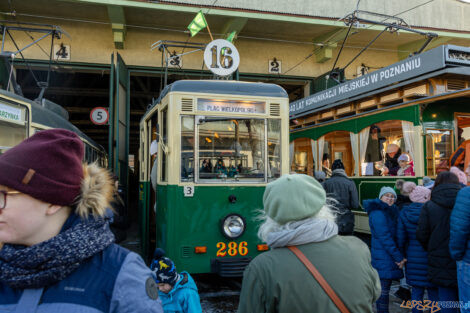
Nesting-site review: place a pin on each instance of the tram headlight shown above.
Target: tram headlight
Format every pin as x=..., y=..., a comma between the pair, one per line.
x=233, y=226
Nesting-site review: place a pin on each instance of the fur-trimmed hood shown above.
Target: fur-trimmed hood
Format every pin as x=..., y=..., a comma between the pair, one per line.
x=96, y=192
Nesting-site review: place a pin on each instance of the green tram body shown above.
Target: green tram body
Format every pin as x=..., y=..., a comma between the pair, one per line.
x=21, y=118
x=436, y=101
x=182, y=223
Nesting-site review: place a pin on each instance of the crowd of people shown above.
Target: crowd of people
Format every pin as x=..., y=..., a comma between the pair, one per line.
x=54, y=224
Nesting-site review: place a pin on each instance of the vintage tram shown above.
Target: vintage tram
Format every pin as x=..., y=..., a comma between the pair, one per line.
x=20, y=118
x=419, y=107
x=219, y=143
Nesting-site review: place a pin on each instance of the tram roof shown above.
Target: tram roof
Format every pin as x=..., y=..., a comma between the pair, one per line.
x=225, y=87
x=50, y=118
x=447, y=59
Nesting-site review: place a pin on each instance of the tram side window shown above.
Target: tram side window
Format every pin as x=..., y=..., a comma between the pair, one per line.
x=337, y=146
x=231, y=149
x=438, y=150
x=303, y=161
x=10, y=135
x=274, y=149
x=187, y=148
x=386, y=149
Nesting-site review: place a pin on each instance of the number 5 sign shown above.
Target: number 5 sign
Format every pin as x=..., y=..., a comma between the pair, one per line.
x=99, y=116
x=221, y=57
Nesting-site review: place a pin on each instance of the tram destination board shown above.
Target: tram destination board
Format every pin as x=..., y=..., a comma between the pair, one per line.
x=426, y=62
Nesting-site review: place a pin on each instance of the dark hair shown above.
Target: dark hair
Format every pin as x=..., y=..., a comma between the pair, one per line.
x=337, y=164
x=446, y=177
x=325, y=157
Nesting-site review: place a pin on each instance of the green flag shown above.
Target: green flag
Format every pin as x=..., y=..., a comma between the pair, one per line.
x=231, y=36
x=198, y=23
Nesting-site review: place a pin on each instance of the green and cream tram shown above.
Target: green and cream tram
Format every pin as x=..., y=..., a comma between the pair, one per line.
x=21, y=118
x=219, y=143
x=420, y=106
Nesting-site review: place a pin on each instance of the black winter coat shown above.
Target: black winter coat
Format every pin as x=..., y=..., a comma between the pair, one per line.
x=433, y=233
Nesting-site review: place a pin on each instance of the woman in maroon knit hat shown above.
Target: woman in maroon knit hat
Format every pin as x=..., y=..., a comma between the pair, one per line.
x=58, y=253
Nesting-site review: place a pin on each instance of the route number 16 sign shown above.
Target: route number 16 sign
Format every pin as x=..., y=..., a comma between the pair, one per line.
x=221, y=57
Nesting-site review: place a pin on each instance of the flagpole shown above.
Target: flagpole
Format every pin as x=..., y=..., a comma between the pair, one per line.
x=209, y=30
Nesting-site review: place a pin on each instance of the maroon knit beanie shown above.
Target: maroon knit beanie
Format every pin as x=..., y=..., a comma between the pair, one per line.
x=47, y=166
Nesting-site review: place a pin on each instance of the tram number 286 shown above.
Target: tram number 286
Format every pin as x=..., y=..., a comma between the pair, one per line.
x=232, y=248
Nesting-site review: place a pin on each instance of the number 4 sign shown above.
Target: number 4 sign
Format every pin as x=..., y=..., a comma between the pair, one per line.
x=221, y=57
x=99, y=116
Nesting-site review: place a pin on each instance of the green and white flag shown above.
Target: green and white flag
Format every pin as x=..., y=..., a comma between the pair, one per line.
x=198, y=23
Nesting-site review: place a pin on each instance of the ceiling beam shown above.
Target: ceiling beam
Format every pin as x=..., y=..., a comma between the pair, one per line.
x=326, y=43
x=118, y=25
x=235, y=24
x=409, y=48
x=84, y=92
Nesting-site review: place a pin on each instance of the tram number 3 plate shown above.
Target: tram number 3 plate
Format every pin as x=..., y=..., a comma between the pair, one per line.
x=232, y=248
x=188, y=191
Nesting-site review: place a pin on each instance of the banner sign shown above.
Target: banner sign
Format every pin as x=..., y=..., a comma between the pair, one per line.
x=426, y=62
x=231, y=106
x=10, y=113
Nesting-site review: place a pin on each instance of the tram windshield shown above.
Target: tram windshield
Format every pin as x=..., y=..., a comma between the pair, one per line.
x=12, y=126
x=234, y=149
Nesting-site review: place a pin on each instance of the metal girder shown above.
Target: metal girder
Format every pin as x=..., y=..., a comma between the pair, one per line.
x=405, y=50
x=234, y=24
x=118, y=25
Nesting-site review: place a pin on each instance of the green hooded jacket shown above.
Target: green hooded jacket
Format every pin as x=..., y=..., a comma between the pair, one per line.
x=277, y=281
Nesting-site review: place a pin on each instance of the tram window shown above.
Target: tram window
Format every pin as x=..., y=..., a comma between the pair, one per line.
x=274, y=149
x=303, y=161
x=337, y=145
x=187, y=148
x=164, y=133
x=381, y=146
x=10, y=135
x=438, y=150
x=231, y=149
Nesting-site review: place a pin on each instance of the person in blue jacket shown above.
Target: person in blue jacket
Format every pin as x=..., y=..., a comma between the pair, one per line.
x=459, y=244
x=386, y=257
x=58, y=253
x=416, y=268
x=178, y=291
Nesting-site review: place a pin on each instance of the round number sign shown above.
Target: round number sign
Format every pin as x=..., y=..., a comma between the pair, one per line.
x=99, y=116
x=221, y=57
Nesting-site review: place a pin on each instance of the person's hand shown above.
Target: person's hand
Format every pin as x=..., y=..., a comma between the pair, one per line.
x=401, y=263
x=385, y=170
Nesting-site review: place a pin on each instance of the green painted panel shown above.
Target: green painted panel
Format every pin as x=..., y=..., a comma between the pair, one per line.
x=185, y=222
x=369, y=187
x=441, y=114
x=144, y=192
x=355, y=125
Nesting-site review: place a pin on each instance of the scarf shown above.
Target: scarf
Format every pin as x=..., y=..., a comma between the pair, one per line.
x=51, y=261
x=301, y=232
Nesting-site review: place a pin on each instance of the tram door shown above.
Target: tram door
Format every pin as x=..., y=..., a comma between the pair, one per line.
x=118, y=122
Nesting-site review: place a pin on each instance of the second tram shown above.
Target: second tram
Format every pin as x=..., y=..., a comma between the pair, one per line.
x=219, y=144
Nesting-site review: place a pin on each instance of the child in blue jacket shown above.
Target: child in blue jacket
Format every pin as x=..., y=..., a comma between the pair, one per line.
x=177, y=291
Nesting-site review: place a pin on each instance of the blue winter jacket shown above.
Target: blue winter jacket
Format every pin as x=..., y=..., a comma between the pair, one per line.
x=114, y=280
x=183, y=298
x=459, y=244
x=383, y=228
x=416, y=267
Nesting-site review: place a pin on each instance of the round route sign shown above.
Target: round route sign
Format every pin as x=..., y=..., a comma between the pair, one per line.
x=99, y=116
x=221, y=57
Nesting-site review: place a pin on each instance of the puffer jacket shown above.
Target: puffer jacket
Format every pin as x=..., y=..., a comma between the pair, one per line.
x=343, y=189
x=416, y=267
x=276, y=280
x=113, y=280
x=433, y=233
x=459, y=244
x=183, y=298
x=384, y=248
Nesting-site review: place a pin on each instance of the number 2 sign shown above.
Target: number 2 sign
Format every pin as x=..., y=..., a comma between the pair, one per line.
x=221, y=57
